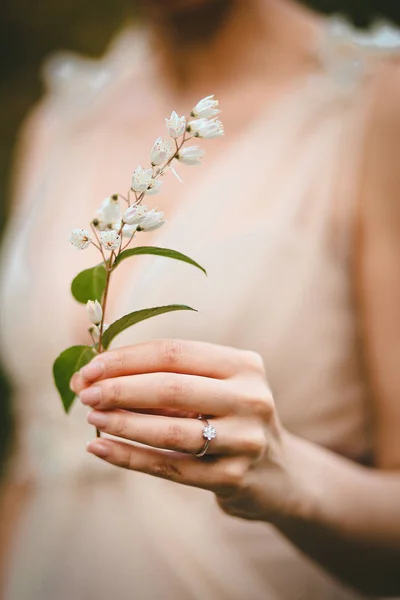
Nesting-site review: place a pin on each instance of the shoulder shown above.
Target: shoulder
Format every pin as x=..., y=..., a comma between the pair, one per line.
x=350, y=55
x=381, y=169
x=79, y=91
x=76, y=83
x=377, y=256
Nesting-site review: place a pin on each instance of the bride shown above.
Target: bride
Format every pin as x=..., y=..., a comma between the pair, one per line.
x=293, y=355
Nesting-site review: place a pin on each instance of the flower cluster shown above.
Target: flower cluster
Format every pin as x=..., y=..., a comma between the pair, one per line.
x=112, y=223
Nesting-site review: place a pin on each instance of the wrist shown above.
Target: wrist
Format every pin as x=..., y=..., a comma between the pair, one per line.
x=305, y=488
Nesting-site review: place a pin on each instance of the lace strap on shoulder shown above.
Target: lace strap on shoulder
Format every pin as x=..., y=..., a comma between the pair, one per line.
x=349, y=54
x=76, y=80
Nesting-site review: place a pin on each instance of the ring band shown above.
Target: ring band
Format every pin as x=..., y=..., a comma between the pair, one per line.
x=209, y=433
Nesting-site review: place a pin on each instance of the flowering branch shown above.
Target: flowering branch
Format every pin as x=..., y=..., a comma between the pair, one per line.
x=110, y=226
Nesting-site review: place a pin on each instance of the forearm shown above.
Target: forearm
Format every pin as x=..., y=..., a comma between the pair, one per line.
x=13, y=499
x=347, y=518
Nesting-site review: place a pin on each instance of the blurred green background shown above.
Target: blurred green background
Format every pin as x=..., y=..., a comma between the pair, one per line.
x=29, y=31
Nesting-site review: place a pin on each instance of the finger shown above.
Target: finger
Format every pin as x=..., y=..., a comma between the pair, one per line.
x=217, y=475
x=180, y=435
x=168, y=412
x=161, y=390
x=77, y=383
x=177, y=356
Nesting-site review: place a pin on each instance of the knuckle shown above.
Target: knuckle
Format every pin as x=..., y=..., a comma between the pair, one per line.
x=171, y=352
x=165, y=470
x=233, y=474
x=173, y=389
x=119, y=427
x=115, y=361
x=254, y=361
x=175, y=437
x=256, y=443
x=261, y=405
x=126, y=457
x=111, y=391
x=233, y=508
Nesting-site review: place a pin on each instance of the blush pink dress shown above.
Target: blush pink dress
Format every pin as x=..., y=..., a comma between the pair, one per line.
x=270, y=217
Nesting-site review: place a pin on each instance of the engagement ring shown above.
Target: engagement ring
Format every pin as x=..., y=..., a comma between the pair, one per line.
x=209, y=433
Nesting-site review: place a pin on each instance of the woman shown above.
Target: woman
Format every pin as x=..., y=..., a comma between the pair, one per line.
x=295, y=217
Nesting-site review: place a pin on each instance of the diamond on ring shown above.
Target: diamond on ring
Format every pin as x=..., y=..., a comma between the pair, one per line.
x=209, y=432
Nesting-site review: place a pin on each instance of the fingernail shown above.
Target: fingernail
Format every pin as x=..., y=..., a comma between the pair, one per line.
x=91, y=396
x=71, y=383
x=76, y=383
x=97, y=418
x=98, y=448
x=93, y=370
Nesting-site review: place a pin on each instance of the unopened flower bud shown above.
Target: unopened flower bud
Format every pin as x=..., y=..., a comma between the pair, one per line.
x=95, y=312
x=176, y=125
x=206, y=108
x=109, y=211
x=95, y=333
x=80, y=239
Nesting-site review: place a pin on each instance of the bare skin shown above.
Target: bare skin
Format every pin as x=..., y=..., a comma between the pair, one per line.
x=259, y=471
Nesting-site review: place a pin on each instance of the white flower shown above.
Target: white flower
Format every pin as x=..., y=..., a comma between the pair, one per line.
x=191, y=155
x=133, y=214
x=128, y=230
x=160, y=152
x=176, y=125
x=109, y=212
x=206, y=108
x=116, y=225
x=80, y=239
x=95, y=312
x=141, y=179
x=206, y=129
x=154, y=187
x=151, y=220
x=110, y=239
x=95, y=332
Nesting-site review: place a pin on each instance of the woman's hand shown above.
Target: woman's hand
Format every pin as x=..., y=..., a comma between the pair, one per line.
x=134, y=391
x=328, y=506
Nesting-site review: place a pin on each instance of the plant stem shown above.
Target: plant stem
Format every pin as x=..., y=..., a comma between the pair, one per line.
x=127, y=243
x=109, y=263
x=108, y=278
x=99, y=242
x=178, y=146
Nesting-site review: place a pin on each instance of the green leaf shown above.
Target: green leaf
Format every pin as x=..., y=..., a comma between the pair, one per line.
x=68, y=363
x=158, y=252
x=137, y=316
x=89, y=284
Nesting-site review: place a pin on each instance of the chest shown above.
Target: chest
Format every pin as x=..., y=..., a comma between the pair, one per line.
x=273, y=284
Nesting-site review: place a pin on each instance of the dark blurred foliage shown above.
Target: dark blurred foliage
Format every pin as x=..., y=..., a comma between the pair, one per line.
x=361, y=12
x=31, y=30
